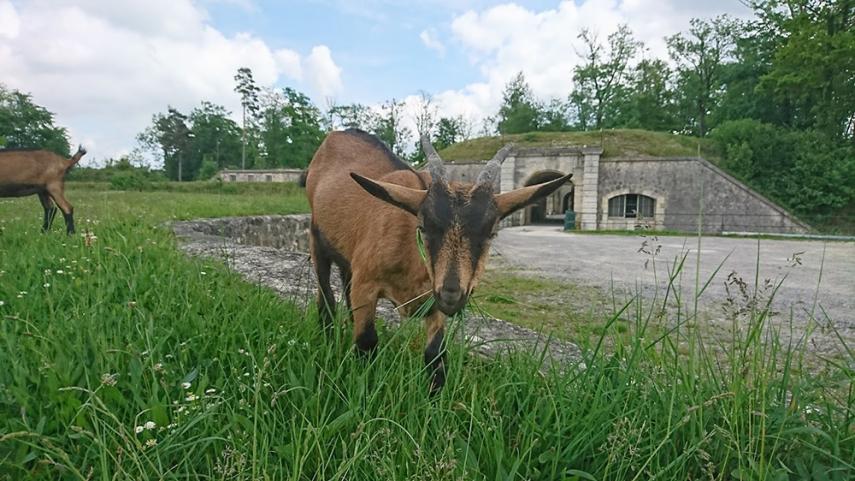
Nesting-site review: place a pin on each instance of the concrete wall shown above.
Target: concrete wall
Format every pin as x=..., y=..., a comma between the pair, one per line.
x=675, y=184
x=272, y=175
x=680, y=186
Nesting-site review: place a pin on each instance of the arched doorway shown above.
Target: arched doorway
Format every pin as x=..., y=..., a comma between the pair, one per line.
x=550, y=209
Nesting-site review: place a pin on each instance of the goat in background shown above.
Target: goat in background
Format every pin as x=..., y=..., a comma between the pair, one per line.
x=29, y=171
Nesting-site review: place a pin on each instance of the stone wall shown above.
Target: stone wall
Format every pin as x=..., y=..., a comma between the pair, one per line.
x=465, y=172
x=273, y=175
x=680, y=186
x=289, y=232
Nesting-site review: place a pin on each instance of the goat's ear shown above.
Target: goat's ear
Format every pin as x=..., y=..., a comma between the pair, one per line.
x=404, y=197
x=509, y=202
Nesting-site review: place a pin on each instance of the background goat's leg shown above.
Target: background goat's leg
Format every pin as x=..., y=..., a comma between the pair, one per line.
x=50, y=210
x=435, y=349
x=322, y=263
x=346, y=281
x=57, y=194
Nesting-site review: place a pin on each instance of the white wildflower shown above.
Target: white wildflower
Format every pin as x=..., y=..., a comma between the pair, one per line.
x=191, y=397
x=138, y=429
x=47, y=284
x=203, y=272
x=210, y=391
x=158, y=367
x=151, y=443
x=2, y=303
x=109, y=379
x=60, y=271
x=149, y=425
x=185, y=385
x=292, y=342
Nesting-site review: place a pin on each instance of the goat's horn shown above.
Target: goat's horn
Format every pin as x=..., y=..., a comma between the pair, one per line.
x=491, y=171
x=437, y=170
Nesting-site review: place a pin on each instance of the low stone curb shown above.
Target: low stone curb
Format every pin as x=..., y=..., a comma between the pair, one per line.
x=270, y=250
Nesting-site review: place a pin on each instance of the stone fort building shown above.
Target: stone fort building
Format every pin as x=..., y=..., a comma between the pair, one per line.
x=635, y=192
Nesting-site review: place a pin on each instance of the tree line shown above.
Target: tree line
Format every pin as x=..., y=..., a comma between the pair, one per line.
x=775, y=94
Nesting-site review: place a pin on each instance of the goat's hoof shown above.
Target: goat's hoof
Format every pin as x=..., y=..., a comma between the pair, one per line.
x=436, y=384
x=366, y=341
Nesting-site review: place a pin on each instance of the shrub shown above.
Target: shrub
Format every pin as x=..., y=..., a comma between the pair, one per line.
x=806, y=171
x=130, y=181
x=208, y=170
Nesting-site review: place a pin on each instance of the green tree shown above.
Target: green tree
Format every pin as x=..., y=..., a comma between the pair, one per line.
x=600, y=89
x=170, y=138
x=291, y=128
x=215, y=136
x=450, y=130
x=248, y=91
x=813, y=64
x=352, y=116
x=650, y=99
x=700, y=56
x=389, y=126
x=554, y=116
x=24, y=124
x=425, y=120
x=519, y=112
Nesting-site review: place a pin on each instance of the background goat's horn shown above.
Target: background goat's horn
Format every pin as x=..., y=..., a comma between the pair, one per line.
x=491, y=171
x=435, y=167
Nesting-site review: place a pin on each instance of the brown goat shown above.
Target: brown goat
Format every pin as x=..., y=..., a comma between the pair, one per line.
x=373, y=238
x=42, y=172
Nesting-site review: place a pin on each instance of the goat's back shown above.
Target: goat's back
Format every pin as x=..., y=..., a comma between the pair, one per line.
x=30, y=167
x=347, y=215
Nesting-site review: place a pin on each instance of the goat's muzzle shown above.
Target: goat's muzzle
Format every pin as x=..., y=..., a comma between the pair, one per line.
x=450, y=300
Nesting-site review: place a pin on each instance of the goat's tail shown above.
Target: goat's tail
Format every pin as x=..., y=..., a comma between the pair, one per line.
x=303, y=175
x=76, y=157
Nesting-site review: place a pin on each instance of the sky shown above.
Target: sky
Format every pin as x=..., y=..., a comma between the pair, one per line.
x=104, y=67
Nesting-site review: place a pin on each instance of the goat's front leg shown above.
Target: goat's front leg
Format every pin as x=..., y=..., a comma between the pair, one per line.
x=364, y=301
x=435, y=349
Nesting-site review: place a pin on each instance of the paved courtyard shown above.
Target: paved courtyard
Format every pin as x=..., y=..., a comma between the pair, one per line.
x=600, y=260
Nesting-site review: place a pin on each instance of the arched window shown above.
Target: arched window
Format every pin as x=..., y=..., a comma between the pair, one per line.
x=632, y=206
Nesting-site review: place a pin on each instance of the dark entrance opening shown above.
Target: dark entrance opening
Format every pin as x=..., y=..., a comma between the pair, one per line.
x=550, y=209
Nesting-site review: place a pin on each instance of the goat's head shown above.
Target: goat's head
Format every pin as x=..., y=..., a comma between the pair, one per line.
x=457, y=221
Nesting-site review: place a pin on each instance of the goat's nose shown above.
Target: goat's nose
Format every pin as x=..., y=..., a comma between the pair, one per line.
x=451, y=294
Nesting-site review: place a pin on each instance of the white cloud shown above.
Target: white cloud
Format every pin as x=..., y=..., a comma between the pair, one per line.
x=10, y=24
x=105, y=67
x=322, y=73
x=289, y=63
x=429, y=38
x=505, y=39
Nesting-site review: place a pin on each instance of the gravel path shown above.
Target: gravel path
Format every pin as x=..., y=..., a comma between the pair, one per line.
x=600, y=260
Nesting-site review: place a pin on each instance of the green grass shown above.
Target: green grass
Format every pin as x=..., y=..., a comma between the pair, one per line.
x=615, y=143
x=94, y=201
x=564, y=310
x=104, y=334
